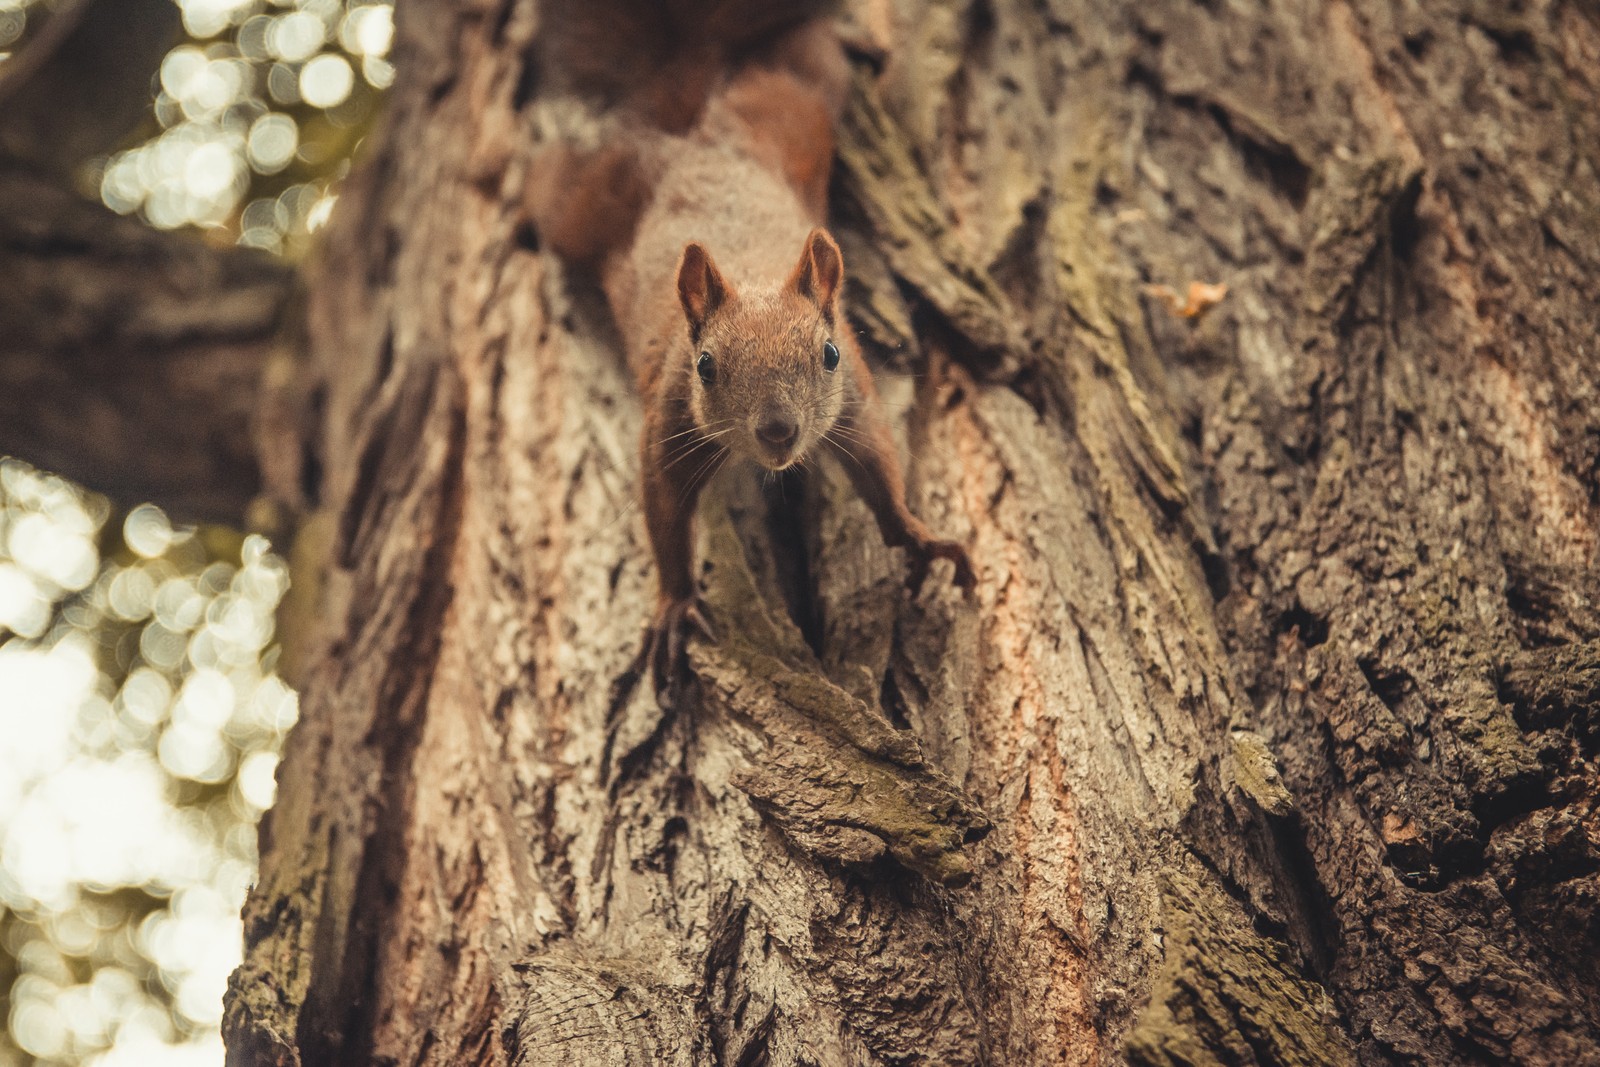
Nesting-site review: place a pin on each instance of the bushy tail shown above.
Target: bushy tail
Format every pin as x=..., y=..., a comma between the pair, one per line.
x=769, y=74
x=585, y=203
x=786, y=99
x=659, y=59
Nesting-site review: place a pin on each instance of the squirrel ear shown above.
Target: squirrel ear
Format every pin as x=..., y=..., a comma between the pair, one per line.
x=820, y=271
x=700, y=286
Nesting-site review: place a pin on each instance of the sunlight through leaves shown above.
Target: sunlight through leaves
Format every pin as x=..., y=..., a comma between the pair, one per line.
x=142, y=735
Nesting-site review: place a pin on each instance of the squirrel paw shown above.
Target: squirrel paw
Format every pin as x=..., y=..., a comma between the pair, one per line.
x=668, y=638
x=922, y=556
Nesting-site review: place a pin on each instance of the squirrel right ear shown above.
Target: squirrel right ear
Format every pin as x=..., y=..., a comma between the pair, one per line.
x=701, y=289
x=820, y=271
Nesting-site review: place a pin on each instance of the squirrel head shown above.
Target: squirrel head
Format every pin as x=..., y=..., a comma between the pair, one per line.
x=766, y=377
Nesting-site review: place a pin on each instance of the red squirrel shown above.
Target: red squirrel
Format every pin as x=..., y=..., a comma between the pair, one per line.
x=727, y=291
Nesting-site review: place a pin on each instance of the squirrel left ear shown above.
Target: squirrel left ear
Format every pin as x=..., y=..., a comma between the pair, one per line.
x=701, y=288
x=820, y=271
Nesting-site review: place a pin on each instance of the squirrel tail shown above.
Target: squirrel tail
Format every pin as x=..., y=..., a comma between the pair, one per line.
x=771, y=68
x=782, y=102
x=659, y=59
x=585, y=203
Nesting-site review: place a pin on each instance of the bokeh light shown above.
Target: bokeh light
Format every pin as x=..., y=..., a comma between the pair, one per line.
x=253, y=118
x=140, y=718
x=142, y=726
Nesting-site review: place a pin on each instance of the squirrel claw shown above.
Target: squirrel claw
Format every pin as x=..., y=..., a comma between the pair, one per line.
x=923, y=555
x=667, y=640
x=696, y=615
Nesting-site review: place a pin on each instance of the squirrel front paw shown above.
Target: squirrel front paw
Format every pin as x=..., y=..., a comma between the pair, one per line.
x=668, y=637
x=922, y=555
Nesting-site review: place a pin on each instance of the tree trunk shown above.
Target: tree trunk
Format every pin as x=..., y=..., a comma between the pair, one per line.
x=1281, y=689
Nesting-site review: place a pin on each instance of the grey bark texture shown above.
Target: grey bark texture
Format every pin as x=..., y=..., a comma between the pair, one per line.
x=1269, y=737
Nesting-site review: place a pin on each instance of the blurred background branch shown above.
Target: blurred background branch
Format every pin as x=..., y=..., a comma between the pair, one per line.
x=163, y=163
x=129, y=357
x=81, y=83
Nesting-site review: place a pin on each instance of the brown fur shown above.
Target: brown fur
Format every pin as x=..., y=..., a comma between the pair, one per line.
x=587, y=202
x=709, y=245
x=662, y=59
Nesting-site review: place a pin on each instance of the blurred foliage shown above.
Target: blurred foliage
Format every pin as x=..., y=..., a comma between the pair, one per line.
x=254, y=117
x=142, y=724
x=140, y=718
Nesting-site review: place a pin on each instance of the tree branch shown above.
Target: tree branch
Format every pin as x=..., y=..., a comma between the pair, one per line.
x=84, y=81
x=129, y=358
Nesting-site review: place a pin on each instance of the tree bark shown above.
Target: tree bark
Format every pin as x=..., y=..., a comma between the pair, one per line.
x=1279, y=693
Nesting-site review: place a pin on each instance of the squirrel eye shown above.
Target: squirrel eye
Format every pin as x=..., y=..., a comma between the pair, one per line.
x=830, y=356
x=706, y=367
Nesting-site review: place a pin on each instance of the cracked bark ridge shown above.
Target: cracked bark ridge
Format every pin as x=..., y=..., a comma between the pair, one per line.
x=284, y=1010
x=1228, y=994
x=912, y=234
x=829, y=769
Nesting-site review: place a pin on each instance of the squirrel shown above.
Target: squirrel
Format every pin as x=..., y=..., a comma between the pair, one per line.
x=728, y=293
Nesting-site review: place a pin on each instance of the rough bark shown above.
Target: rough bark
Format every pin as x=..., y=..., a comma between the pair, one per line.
x=1279, y=689
x=1279, y=686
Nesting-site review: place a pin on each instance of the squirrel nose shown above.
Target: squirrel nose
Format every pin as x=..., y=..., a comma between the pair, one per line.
x=778, y=430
